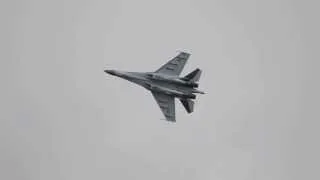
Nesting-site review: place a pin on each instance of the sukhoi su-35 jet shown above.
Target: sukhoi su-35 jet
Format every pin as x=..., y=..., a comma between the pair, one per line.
x=166, y=85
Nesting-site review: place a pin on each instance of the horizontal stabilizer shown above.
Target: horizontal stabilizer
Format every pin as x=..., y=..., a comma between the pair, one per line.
x=188, y=105
x=194, y=76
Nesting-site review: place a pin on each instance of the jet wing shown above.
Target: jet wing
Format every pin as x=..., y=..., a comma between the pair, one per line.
x=166, y=104
x=175, y=65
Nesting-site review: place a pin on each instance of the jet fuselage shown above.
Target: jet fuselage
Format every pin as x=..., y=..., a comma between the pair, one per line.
x=169, y=85
x=170, y=79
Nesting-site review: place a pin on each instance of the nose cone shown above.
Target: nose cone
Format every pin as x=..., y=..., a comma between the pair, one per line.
x=112, y=72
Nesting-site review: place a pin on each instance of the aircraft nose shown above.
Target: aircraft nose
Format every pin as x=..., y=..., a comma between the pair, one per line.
x=112, y=72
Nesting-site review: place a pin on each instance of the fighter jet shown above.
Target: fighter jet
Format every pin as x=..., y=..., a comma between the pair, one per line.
x=166, y=85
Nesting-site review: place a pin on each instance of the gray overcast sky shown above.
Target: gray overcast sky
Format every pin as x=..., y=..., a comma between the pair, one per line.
x=62, y=117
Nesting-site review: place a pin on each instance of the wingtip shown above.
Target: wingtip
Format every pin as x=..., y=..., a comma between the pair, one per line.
x=171, y=121
x=185, y=52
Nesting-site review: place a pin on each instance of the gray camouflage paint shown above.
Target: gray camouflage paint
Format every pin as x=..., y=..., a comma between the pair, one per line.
x=63, y=119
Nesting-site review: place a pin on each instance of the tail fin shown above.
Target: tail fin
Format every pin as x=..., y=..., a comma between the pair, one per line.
x=194, y=76
x=188, y=105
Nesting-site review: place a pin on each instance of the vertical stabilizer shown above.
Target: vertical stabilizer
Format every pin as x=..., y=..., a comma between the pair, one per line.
x=194, y=76
x=188, y=105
